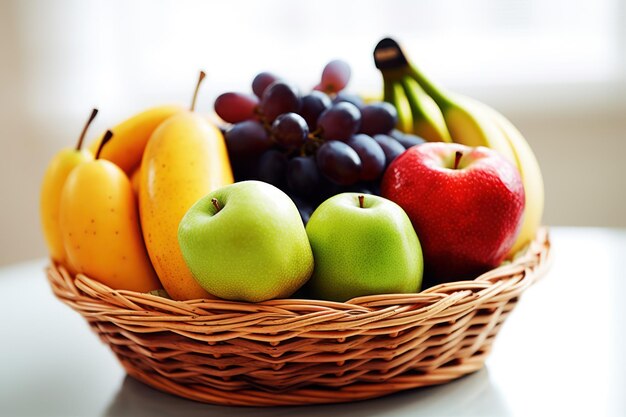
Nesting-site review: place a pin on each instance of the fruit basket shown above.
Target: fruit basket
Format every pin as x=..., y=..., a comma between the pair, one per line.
x=296, y=351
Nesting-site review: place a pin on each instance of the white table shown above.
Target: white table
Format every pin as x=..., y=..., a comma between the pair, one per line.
x=560, y=353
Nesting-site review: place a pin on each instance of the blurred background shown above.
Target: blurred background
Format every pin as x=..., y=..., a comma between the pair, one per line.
x=557, y=69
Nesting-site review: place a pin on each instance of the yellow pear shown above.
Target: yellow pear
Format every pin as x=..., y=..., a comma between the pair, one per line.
x=184, y=160
x=100, y=227
x=56, y=174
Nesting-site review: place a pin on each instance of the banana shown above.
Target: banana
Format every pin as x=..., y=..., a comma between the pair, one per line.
x=131, y=137
x=100, y=228
x=529, y=170
x=465, y=126
x=56, y=174
x=393, y=94
x=473, y=123
x=428, y=121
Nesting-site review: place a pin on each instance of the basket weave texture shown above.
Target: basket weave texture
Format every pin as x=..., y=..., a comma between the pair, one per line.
x=292, y=351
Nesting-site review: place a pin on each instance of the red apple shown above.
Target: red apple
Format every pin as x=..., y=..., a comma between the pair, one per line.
x=466, y=205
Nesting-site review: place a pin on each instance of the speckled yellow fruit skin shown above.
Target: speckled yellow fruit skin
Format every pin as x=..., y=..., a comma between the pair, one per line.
x=185, y=159
x=61, y=165
x=131, y=137
x=135, y=181
x=100, y=228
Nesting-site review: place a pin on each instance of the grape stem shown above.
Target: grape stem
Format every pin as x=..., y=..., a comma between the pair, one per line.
x=216, y=204
x=361, y=200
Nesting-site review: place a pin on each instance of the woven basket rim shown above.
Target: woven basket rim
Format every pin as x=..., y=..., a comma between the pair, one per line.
x=535, y=256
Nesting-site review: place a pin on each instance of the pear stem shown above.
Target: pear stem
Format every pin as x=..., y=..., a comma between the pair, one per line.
x=105, y=139
x=81, y=138
x=216, y=204
x=361, y=200
x=457, y=158
x=195, y=93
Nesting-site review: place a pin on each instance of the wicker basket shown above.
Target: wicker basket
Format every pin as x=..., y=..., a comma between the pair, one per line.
x=289, y=352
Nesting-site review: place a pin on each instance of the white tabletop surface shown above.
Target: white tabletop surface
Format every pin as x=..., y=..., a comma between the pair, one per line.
x=560, y=353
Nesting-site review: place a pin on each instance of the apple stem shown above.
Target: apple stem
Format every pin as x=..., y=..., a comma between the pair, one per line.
x=361, y=199
x=216, y=204
x=105, y=139
x=457, y=158
x=79, y=145
x=195, y=93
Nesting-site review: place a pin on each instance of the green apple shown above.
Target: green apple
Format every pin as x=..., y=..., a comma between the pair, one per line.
x=246, y=242
x=363, y=245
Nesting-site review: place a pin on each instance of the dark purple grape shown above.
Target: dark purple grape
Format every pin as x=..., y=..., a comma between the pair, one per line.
x=335, y=76
x=290, y=130
x=303, y=177
x=338, y=162
x=361, y=188
x=236, y=107
x=339, y=122
x=406, y=139
x=375, y=187
x=247, y=137
x=314, y=104
x=391, y=147
x=396, y=134
x=410, y=140
x=279, y=98
x=272, y=168
x=371, y=154
x=329, y=189
x=304, y=208
x=342, y=96
x=378, y=118
x=244, y=166
x=262, y=81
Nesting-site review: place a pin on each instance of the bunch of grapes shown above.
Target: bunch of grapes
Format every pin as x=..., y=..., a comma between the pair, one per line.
x=311, y=146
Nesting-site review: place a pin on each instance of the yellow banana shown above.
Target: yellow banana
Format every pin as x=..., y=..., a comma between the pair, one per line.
x=465, y=126
x=56, y=174
x=394, y=94
x=131, y=137
x=529, y=170
x=100, y=228
x=475, y=124
x=371, y=97
x=185, y=159
x=428, y=122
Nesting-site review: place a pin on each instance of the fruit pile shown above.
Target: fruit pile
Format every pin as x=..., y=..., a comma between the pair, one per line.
x=311, y=146
x=318, y=195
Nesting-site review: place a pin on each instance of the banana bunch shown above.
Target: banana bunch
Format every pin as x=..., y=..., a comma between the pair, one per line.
x=436, y=115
